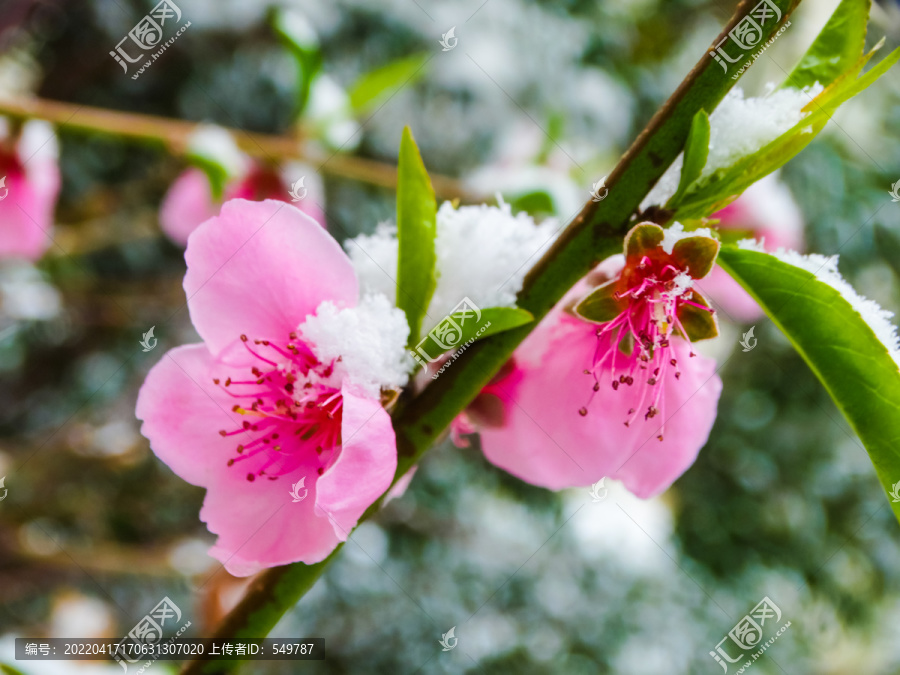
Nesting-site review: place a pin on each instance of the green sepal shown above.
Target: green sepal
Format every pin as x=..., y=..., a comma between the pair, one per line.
x=696, y=255
x=699, y=324
x=600, y=305
x=642, y=239
x=626, y=343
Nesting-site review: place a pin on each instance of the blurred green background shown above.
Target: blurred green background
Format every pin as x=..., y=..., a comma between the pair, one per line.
x=783, y=501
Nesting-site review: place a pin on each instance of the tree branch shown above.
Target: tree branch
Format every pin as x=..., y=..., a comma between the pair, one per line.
x=174, y=135
x=593, y=235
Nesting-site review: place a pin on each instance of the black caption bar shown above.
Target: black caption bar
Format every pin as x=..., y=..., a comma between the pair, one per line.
x=131, y=651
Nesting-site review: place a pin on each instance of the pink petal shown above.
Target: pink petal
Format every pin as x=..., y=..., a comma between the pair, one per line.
x=263, y=182
x=769, y=212
x=546, y=442
x=32, y=187
x=260, y=268
x=312, y=209
x=258, y=523
x=312, y=203
x=729, y=297
x=26, y=217
x=542, y=441
x=365, y=468
x=188, y=203
x=183, y=410
x=689, y=414
x=401, y=486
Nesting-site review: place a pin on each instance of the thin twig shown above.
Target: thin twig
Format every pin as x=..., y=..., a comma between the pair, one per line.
x=174, y=135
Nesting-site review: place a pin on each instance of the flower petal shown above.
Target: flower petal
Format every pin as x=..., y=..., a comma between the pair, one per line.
x=260, y=268
x=401, y=486
x=690, y=410
x=729, y=297
x=28, y=199
x=365, y=468
x=260, y=525
x=258, y=522
x=545, y=440
x=187, y=204
x=183, y=410
x=26, y=218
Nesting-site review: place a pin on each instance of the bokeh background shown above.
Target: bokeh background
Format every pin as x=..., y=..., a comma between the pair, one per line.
x=783, y=501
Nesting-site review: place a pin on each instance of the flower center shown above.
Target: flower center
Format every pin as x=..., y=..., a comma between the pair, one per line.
x=262, y=183
x=9, y=163
x=292, y=409
x=635, y=348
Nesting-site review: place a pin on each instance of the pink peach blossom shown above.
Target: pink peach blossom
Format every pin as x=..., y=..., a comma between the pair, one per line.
x=190, y=199
x=766, y=211
x=627, y=399
x=28, y=165
x=255, y=413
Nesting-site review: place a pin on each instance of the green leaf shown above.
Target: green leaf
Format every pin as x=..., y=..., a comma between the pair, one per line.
x=887, y=243
x=553, y=134
x=497, y=320
x=214, y=150
x=600, y=305
x=458, y=328
x=836, y=90
x=534, y=203
x=377, y=85
x=416, y=230
x=294, y=28
x=215, y=173
x=722, y=187
x=837, y=344
x=696, y=152
x=836, y=49
x=301, y=39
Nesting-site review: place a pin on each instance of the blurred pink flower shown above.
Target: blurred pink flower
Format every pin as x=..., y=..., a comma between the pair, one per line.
x=291, y=443
x=766, y=211
x=190, y=200
x=650, y=403
x=30, y=173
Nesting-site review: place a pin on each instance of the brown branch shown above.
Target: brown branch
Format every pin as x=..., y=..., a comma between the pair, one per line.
x=174, y=135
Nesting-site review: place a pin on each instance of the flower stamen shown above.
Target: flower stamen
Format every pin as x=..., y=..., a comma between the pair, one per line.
x=298, y=400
